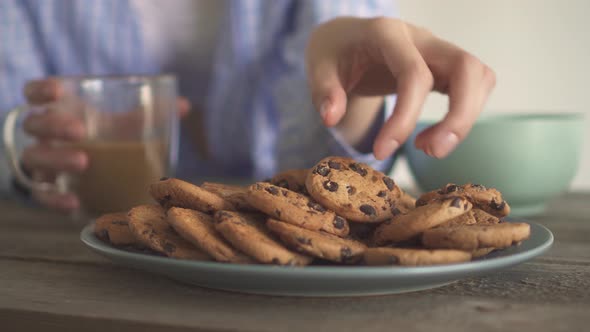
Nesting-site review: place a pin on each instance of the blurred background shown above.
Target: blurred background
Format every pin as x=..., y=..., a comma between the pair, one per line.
x=539, y=49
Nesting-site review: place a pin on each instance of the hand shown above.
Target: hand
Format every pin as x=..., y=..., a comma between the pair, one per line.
x=44, y=159
x=352, y=57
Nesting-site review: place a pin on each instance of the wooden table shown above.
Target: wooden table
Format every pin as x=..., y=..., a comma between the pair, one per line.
x=50, y=282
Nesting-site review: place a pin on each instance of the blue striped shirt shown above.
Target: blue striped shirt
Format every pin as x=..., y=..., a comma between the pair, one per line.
x=259, y=116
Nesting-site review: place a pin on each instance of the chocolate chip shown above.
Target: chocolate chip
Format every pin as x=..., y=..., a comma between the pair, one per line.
x=374, y=178
x=451, y=188
x=169, y=247
x=382, y=193
x=456, y=202
x=448, y=189
x=334, y=165
x=272, y=190
x=164, y=178
x=120, y=222
x=389, y=182
x=339, y=222
x=351, y=190
x=465, y=206
x=284, y=192
x=421, y=202
x=278, y=213
x=331, y=185
x=275, y=261
x=104, y=235
x=358, y=168
x=345, y=254
x=303, y=190
x=479, y=187
x=283, y=183
x=322, y=170
x=497, y=206
x=223, y=214
x=368, y=210
x=316, y=206
x=395, y=211
x=303, y=240
x=393, y=260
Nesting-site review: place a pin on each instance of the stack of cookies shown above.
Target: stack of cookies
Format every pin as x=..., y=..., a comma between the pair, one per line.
x=338, y=212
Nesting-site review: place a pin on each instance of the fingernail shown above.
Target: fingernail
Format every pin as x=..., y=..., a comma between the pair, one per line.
x=443, y=144
x=386, y=148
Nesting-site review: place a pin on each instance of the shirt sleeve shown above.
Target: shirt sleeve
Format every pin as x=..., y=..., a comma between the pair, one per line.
x=303, y=139
x=19, y=62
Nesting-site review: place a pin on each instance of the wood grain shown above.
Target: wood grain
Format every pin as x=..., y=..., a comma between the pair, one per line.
x=50, y=281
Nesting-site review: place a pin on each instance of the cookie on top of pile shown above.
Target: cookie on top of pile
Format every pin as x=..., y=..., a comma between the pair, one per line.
x=339, y=212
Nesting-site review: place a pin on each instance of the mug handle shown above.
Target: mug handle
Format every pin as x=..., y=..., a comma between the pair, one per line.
x=12, y=153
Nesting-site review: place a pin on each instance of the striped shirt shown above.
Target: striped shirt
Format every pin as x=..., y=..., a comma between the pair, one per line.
x=258, y=113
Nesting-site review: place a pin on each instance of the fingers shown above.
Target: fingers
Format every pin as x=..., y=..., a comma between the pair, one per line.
x=51, y=124
x=470, y=85
x=43, y=91
x=65, y=202
x=44, y=157
x=414, y=82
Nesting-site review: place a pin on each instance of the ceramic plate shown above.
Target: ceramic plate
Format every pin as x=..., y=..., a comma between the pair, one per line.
x=322, y=280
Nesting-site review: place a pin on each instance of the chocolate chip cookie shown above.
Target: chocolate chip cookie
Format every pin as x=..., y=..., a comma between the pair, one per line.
x=248, y=233
x=487, y=199
x=148, y=225
x=234, y=195
x=472, y=237
x=413, y=257
x=293, y=179
x=406, y=226
x=353, y=190
x=114, y=228
x=297, y=209
x=198, y=228
x=169, y=192
x=318, y=244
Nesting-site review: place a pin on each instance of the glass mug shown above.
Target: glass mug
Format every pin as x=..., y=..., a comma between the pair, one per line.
x=131, y=139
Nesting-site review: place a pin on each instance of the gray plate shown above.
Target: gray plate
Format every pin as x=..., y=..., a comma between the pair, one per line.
x=322, y=280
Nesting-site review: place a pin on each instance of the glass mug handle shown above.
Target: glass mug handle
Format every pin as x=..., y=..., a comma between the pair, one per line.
x=12, y=153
